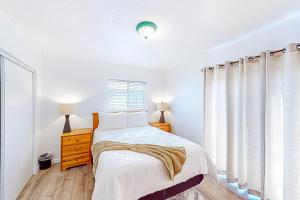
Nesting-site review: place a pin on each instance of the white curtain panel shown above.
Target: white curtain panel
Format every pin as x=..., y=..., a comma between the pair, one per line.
x=220, y=117
x=291, y=123
x=215, y=117
x=242, y=153
x=252, y=122
x=210, y=138
x=233, y=114
x=274, y=129
x=282, y=140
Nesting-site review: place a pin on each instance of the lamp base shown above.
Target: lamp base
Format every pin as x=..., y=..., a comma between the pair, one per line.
x=67, y=127
x=162, y=118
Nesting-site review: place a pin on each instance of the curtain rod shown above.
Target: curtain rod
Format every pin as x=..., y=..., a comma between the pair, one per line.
x=234, y=62
x=251, y=58
x=280, y=50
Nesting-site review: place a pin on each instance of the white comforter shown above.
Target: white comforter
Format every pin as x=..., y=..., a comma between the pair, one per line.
x=126, y=175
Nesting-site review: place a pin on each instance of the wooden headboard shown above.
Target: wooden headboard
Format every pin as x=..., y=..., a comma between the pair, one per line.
x=95, y=120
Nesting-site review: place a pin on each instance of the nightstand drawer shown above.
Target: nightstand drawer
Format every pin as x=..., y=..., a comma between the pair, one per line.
x=73, y=140
x=77, y=156
x=76, y=149
x=75, y=160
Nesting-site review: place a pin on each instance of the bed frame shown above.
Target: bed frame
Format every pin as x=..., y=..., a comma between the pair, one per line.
x=168, y=192
x=95, y=121
x=176, y=189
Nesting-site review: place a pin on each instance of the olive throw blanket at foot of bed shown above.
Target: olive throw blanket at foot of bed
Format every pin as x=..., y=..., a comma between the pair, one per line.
x=172, y=157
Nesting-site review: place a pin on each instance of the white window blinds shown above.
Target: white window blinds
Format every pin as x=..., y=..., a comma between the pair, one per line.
x=126, y=95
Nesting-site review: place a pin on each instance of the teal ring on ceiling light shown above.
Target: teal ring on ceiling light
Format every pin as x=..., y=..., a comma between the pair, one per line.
x=145, y=23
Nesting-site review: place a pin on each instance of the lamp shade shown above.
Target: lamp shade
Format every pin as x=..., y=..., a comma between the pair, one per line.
x=68, y=108
x=162, y=106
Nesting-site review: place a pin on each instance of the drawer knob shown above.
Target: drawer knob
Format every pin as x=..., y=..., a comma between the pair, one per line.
x=77, y=140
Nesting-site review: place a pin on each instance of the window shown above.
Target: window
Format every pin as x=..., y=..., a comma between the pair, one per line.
x=126, y=95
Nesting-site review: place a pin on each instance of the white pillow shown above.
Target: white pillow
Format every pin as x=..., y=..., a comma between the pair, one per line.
x=110, y=121
x=137, y=119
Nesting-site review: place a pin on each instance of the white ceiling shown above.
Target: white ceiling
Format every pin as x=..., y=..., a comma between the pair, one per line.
x=105, y=29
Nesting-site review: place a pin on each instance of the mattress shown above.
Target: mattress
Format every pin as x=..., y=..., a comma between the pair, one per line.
x=127, y=175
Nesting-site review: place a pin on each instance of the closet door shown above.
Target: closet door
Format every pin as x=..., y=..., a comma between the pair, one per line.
x=17, y=131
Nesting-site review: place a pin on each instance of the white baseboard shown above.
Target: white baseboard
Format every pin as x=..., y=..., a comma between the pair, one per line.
x=35, y=169
x=55, y=160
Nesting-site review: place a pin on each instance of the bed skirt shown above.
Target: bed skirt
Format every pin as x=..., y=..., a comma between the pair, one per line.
x=176, y=189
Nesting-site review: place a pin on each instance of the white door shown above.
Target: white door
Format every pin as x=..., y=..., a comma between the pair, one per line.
x=17, y=130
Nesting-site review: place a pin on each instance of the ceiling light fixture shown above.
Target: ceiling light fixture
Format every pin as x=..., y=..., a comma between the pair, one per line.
x=146, y=29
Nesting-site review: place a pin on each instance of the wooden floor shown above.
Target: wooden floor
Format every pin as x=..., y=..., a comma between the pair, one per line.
x=52, y=184
x=77, y=184
x=216, y=191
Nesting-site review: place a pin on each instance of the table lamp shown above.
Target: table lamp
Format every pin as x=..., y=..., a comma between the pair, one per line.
x=162, y=107
x=67, y=109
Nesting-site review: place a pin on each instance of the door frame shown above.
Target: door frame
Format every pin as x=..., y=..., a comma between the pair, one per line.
x=6, y=55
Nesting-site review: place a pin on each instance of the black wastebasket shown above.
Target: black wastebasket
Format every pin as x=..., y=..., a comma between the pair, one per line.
x=45, y=161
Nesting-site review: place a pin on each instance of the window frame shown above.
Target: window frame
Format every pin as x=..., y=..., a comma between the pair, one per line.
x=127, y=84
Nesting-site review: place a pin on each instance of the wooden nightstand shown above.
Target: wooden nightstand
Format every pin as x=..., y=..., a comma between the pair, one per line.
x=76, y=148
x=162, y=126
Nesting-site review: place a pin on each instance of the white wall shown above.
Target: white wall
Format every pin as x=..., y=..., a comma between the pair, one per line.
x=84, y=82
x=273, y=36
x=184, y=94
x=16, y=42
x=184, y=86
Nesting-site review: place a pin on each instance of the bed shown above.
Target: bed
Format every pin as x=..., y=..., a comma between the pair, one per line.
x=127, y=175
